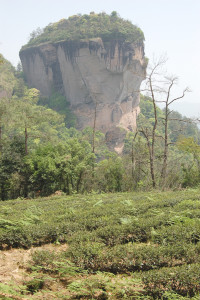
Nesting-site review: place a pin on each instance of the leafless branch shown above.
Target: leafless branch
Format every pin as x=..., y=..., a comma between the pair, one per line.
x=183, y=94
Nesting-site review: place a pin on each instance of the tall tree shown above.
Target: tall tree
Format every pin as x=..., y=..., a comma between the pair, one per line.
x=150, y=133
x=159, y=87
x=36, y=121
x=168, y=99
x=7, y=83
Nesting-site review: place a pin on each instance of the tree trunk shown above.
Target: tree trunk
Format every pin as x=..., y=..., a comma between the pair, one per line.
x=132, y=156
x=3, y=192
x=79, y=181
x=93, y=138
x=25, y=188
x=151, y=156
x=26, y=140
x=94, y=129
x=165, y=155
x=0, y=138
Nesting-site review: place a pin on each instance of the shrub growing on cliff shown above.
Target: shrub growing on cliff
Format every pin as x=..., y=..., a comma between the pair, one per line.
x=108, y=27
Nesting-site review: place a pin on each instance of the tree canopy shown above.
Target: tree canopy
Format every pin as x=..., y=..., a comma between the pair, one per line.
x=39, y=155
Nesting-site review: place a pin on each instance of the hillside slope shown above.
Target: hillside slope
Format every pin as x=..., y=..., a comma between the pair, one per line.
x=108, y=246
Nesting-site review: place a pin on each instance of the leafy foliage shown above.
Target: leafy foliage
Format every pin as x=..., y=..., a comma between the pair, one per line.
x=40, y=156
x=59, y=168
x=7, y=77
x=183, y=280
x=77, y=27
x=183, y=164
x=58, y=103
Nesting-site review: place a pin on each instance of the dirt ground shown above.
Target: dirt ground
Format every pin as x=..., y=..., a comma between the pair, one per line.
x=13, y=264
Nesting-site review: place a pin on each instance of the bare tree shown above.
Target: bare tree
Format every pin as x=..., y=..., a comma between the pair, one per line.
x=132, y=154
x=150, y=134
x=94, y=127
x=169, y=83
x=160, y=89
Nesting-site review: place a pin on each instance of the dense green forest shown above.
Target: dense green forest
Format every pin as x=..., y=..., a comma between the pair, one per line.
x=40, y=155
x=80, y=27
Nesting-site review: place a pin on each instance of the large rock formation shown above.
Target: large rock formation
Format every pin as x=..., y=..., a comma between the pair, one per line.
x=101, y=80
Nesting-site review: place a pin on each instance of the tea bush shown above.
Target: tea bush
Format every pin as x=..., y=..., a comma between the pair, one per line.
x=184, y=280
x=154, y=236
x=52, y=263
x=130, y=257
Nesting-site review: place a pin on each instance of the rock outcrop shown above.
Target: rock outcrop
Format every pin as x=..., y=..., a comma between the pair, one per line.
x=101, y=80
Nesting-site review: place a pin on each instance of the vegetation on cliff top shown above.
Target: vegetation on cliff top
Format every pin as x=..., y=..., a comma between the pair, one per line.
x=79, y=27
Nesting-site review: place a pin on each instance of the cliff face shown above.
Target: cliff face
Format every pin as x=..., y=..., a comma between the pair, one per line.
x=100, y=80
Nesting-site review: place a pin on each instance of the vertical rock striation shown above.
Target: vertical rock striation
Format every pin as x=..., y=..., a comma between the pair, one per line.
x=94, y=76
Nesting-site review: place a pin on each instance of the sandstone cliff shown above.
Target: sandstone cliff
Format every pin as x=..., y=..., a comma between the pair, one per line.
x=98, y=78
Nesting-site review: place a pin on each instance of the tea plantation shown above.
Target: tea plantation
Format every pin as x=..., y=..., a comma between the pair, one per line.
x=119, y=246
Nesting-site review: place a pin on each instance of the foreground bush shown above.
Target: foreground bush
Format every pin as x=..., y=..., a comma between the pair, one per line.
x=184, y=280
x=131, y=257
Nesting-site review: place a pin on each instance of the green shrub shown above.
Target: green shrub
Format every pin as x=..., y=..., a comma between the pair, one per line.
x=52, y=263
x=190, y=233
x=121, y=234
x=183, y=280
x=18, y=237
x=130, y=257
x=86, y=255
x=79, y=27
x=34, y=285
x=43, y=260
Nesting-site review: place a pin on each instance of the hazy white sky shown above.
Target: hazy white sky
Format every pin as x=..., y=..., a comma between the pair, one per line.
x=171, y=27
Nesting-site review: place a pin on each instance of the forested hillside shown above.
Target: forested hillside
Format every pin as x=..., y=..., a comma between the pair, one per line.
x=40, y=155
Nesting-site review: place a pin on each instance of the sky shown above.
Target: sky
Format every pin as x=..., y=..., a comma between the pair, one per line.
x=171, y=28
